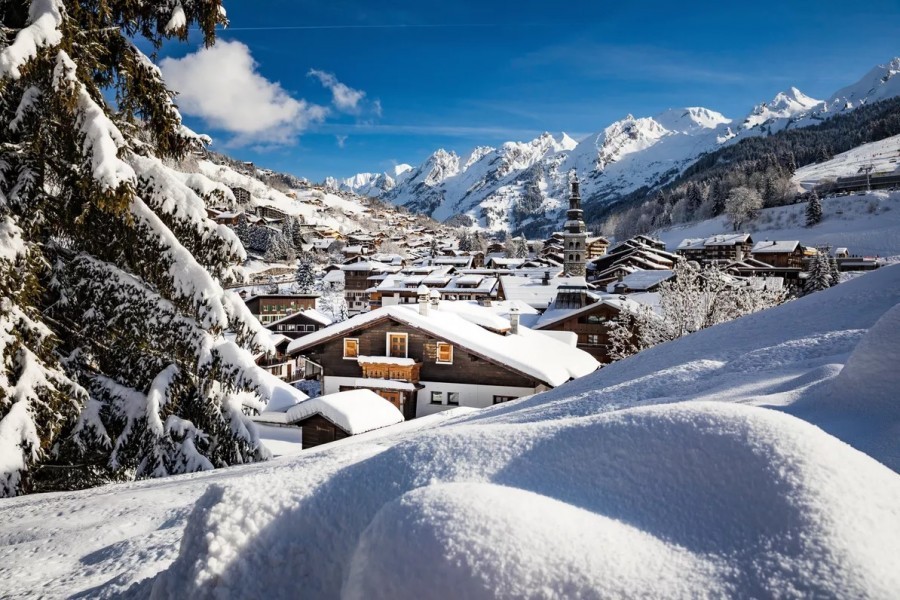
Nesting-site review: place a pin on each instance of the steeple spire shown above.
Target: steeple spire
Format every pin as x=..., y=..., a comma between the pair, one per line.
x=575, y=233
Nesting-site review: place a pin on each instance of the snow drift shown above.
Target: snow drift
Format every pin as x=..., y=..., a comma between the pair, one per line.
x=675, y=501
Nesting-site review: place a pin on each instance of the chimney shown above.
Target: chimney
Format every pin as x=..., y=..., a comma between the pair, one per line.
x=620, y=277
x=514, y=320
x=423, y=293
x=546, y=279
x=435, y=299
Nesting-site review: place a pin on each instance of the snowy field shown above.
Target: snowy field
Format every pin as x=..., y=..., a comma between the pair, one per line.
x=757, y=458
x=868, y=225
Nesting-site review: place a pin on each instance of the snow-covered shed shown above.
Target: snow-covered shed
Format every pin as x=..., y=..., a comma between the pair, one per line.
x=337, y=416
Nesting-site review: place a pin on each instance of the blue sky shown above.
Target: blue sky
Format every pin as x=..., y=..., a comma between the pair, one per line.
x=347, y=86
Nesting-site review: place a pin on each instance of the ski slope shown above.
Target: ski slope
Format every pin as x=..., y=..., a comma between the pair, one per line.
x=882, y=156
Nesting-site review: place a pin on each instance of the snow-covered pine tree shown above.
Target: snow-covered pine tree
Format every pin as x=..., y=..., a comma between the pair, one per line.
x=465, y=241
x=819, y=276
x=306, y=274
x=813, y=210
x=112, y=311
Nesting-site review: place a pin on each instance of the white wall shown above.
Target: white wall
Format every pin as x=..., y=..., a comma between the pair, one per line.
x=471, y=395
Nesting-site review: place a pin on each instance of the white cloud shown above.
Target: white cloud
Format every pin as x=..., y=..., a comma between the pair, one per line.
x=222, y=86
x=344, y=97
x=341, y=140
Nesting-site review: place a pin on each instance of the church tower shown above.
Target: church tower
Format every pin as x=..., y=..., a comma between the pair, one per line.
x=575, y=235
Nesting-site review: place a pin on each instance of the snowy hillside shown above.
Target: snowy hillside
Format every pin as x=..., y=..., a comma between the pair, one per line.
x=883, y=156
x=751, y=459
x=524, y=185
x=348, y=214
x=868, y=225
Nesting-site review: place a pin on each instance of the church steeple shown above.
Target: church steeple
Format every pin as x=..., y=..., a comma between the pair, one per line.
x=575, y=234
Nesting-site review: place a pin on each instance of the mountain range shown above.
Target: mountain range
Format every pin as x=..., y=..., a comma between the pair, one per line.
x=524, y=185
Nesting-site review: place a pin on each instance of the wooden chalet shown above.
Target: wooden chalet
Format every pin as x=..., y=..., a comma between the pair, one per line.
x=782, y=254
x=596, y=246
x=268, y=308
x=299, y=323
x=723, y=248
x=426, y=359
x=578, y=310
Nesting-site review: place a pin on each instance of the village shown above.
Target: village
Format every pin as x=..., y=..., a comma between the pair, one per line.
x=407, y=318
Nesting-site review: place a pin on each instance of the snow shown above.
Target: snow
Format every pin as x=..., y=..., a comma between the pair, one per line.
x=868, y=225
x=687, y=470
x=631, y=153
x=44, y=20
x=354, y=411
x=883, y=156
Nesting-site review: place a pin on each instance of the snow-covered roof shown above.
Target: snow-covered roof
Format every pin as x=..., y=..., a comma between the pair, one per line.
x=309, y=313
x=692, y=244
x=530, y=291
x=354, y=411
x=773, y=247
x=554, y=315
x=528, y=352
x=727, y=239
x=642, y=280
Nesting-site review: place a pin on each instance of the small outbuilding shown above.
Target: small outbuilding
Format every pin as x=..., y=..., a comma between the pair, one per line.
x=341, y=415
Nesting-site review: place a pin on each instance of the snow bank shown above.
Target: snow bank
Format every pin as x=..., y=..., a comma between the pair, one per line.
x=863, y=401
x=680, y=500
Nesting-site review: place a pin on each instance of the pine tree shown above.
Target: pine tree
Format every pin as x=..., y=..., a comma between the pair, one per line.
x=820, y=275
x=813, y=210
x=465, y=241
x=306, y=275
x=112, y=311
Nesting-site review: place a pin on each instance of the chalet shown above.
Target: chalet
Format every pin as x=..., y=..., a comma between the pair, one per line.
x=241, y=195
x=357, y=284
x=725, y=248
x=783, y=254
x=426, y=359
x=299, y=323
x=335, y=416
x=596, y=246
x=693, y=249
x=268, y=308
x=588, y=315
x=271, y=213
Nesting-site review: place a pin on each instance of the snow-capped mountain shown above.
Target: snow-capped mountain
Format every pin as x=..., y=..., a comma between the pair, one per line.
x=524, y=185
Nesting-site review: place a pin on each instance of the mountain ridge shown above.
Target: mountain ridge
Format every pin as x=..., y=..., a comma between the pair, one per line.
x=524, y=184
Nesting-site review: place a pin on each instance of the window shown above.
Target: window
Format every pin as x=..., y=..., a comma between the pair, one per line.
x=351, y=347
x=453, y=398
x=444, y=353
x=437, y=397
x=397, y=345
x=593, y=339
x=501, y=399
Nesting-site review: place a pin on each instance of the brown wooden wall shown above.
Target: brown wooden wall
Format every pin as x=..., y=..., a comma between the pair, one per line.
x=600, y=351
x=318, y=430
x=466, y=367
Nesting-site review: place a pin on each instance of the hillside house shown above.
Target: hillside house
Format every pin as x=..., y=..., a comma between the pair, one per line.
x=424, y=359
x=268, y=308
x=783, y=254
x=299, y=323
x=596, y=247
